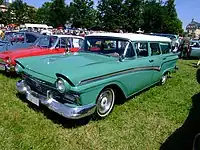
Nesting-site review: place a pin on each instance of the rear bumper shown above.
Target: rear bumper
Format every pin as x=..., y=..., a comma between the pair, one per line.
x=64, y=110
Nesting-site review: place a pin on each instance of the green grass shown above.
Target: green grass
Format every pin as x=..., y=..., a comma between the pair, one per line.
x=144, y=122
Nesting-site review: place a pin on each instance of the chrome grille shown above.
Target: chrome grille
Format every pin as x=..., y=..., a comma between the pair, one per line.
x=43, y=87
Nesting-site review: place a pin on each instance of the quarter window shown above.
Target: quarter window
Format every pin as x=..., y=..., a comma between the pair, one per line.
x=141, y=49
x=165, y=48
x=155, y=49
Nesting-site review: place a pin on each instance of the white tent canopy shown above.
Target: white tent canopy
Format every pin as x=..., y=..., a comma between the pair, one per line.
x=28, y=25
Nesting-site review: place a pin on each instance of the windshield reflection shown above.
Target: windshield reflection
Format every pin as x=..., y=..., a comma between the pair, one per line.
x=46, y=41
x=104, y=46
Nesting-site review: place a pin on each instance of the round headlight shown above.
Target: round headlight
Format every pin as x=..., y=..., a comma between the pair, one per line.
x=60, y=85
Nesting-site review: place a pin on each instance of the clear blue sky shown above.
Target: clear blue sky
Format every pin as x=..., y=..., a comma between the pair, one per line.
x=186, y=9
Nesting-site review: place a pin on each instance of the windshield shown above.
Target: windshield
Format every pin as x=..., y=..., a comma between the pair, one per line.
x=46, y=41
x=104, y=45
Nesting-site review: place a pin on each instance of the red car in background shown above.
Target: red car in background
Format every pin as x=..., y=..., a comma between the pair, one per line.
x=44, y=45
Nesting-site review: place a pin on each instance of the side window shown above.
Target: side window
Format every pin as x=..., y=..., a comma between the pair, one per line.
x=165, y=48
x=64, y=42
x=109, y=45
x=30, y=38
x=141, y=49
x=130, y=52
x=77, y=42
x=155, y=49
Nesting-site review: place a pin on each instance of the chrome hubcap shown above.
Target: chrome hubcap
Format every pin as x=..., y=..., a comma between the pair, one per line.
x=164, y=78
x=105, y=102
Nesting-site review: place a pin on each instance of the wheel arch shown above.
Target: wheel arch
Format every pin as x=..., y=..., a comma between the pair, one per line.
x=119, y=93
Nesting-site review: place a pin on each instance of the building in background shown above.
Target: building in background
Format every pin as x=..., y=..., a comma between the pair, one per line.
x=4, y=6
x=193, y=29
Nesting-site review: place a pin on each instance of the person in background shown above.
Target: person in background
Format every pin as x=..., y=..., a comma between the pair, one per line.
x=1, y=34
x=185, y=47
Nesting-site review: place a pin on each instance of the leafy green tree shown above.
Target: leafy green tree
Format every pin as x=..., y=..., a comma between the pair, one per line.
x=1, y=2
x=153, y=16
x=82, y=13
x=111, y=14
x=18, y=12
x=172, y=23
x=31, y=14
x=133, y=13
x=43, y=13
x=57, y=13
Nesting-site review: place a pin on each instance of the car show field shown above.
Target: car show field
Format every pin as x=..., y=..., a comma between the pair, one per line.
x=144, y=121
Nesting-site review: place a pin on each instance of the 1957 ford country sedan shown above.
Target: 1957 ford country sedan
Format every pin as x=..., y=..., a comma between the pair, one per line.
x=108, y=66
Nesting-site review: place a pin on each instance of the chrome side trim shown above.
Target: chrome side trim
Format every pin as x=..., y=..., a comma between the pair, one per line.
x=64, y=110
x=86, y=81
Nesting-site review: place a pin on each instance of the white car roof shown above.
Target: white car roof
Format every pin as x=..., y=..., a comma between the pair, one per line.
x=133, y=37
x=73, y=36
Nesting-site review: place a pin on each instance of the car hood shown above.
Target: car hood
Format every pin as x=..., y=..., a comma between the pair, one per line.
x=74, y=66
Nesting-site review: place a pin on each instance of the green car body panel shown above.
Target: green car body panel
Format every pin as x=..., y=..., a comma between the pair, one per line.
x=127, y=75
x=89, y=73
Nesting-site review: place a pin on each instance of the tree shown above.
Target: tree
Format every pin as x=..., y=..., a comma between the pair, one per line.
x=31, y=14
x=43, y=13
x=111, y=14
x=153, y=16
x=57, y=13
x=133, y=13
x=82, y=13
x=18, y=12
x=1, y=2
x=172, y=22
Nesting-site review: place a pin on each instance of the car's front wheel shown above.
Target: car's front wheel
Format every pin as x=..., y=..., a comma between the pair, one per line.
x=105, y=103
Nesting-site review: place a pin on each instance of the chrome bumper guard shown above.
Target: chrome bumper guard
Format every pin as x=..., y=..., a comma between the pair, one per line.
x=5, y=67
x=64, y=110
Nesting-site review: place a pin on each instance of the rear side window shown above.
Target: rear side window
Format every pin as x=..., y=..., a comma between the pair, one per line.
x=155, y=49
x=165, y=48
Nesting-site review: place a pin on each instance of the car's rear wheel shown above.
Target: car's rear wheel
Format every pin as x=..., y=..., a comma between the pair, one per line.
x=105, y=103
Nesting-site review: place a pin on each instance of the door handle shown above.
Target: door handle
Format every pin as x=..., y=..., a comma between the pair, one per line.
x=164, y=58
x=151, y=60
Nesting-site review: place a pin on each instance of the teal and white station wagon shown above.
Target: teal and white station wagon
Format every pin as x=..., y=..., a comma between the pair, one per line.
x=108, y=66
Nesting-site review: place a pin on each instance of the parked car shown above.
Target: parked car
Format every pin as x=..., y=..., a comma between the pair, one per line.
x=195, y=48
x=45, y=45
x=108, y=66
x=16, y=40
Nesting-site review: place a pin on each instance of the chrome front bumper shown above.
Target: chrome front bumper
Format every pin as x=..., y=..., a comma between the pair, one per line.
x=64, y=110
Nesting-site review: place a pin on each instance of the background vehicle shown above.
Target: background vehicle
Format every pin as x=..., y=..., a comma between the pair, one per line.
x=44, y=45
x=16, y=40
